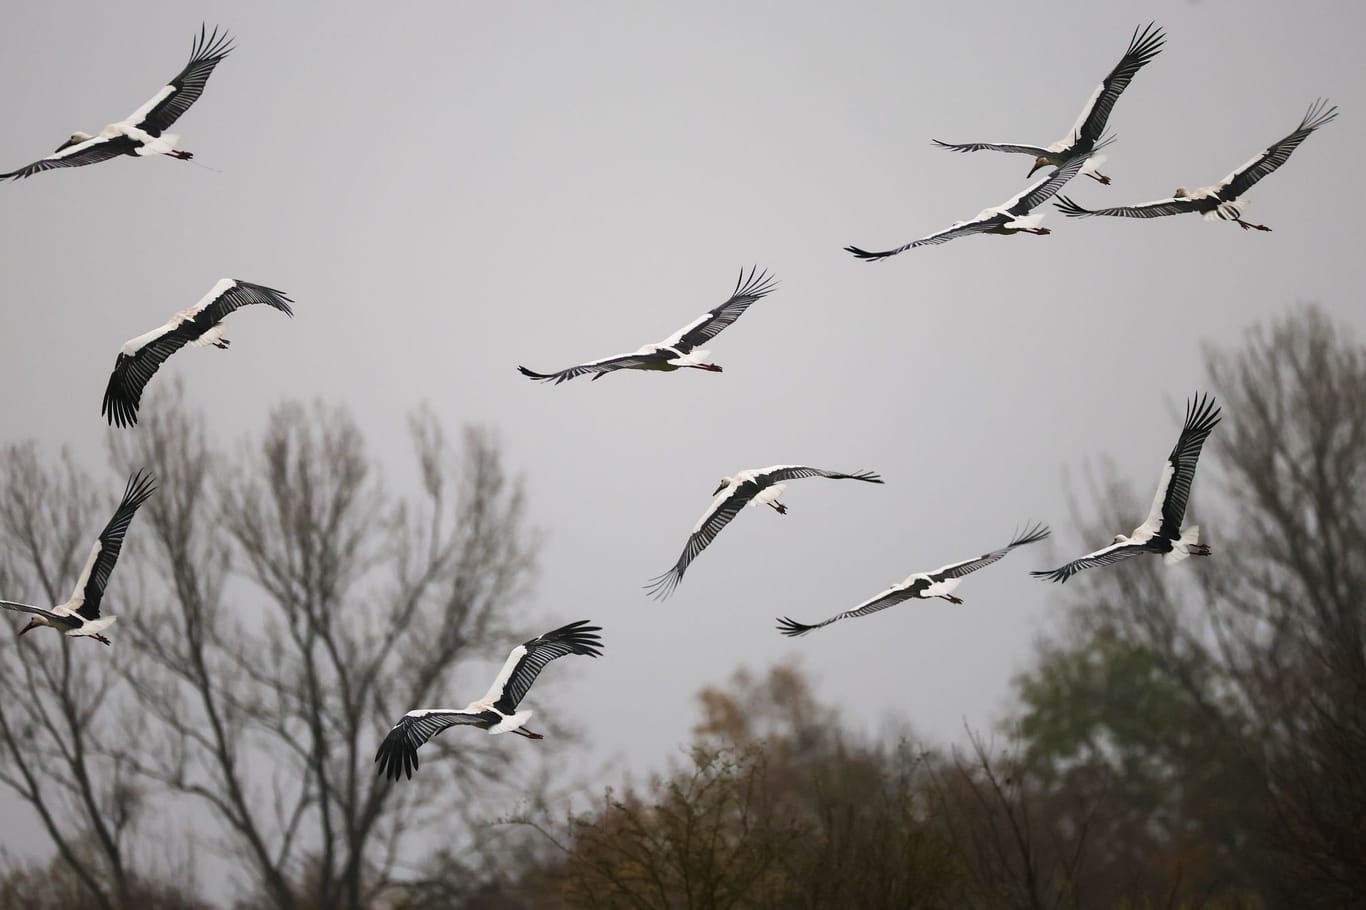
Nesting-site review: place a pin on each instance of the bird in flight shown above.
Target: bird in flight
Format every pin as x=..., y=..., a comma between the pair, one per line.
x=497, y=711
x=200, y=325
x=754, y=487
x=1090, y=126
x=679, y=349
x=143, y=132
x=921, y=585
x=1223, y=200
x=80, y=615
x=1010, y=217
x=1161, y=532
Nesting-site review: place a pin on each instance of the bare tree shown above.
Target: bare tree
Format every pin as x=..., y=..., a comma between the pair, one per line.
x=297, y=609
x=1291, y=596
x=992, y=821
x=55, y=692
x=290, y=608
x=57, y=885
x=1243, y=708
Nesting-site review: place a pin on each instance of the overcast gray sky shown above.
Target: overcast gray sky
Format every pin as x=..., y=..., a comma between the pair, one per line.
x=451, y=189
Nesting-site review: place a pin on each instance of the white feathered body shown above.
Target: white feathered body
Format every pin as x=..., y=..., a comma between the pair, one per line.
x=768, y=495
x=1182, y=546
x=147, y=143
x=508, y=723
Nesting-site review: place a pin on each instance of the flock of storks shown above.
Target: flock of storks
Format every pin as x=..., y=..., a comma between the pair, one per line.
x=144, y=133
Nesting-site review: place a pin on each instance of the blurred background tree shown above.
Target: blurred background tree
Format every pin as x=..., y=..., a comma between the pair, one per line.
x=1187, y=738
x=775, y=804
x=291, y=608
x=1184, y=738
x=1227, y=707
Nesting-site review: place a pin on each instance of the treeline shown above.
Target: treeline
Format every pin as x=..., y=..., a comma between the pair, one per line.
x=1190, y=738
x=1186, y=738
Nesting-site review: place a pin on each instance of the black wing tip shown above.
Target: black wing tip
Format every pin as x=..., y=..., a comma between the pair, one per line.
x=868, y=256
x=662, y=586
x=759, y=283
x=868, y=476
x=1057, y=575
x=1146, y=43
x=791, y=628
x=274, y=297
x=581, y=637
x=532, y=374
x=210, y=45
x=119, y=411
x=119, y=407
x=1031, y=534
x=953, y=147
x=141, y=484
x=395, y=758
x=121, y=419
x=1202, y=413
x=1319, y=113
x=1069, y=208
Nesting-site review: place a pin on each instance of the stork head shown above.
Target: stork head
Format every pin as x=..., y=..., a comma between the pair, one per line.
x=725, y=482
x=76, y=139
x=33, y=623
x=1120, y=538
x=1181, y=193
x=1038, y=163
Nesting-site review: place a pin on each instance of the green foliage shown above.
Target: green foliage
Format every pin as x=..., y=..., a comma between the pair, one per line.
x=1222, y=705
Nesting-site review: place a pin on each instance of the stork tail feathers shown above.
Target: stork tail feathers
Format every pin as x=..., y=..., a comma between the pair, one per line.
x=512, y=724
x=1188, y=545
x=94, y=626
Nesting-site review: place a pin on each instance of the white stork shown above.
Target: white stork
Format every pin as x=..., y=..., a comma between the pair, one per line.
x=1010, y=217
x=1161, y=532
x=679, y=349
x=144, y=130
x=497, y=711
x=1090, y=125
x=200, y=325
x=921, y=585
x=80, y=615
x=1223, y=199
x=755, y=487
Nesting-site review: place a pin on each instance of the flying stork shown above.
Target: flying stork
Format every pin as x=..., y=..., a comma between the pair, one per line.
x=679, y=349
x=200, y=325
x=80, y=615
x=1161, y=532
x=922, y=585
x=1223, y=199
x=497, y=711
x=1090, y=125
x=143, y=132
x=1010, y=217
x=755, y=487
